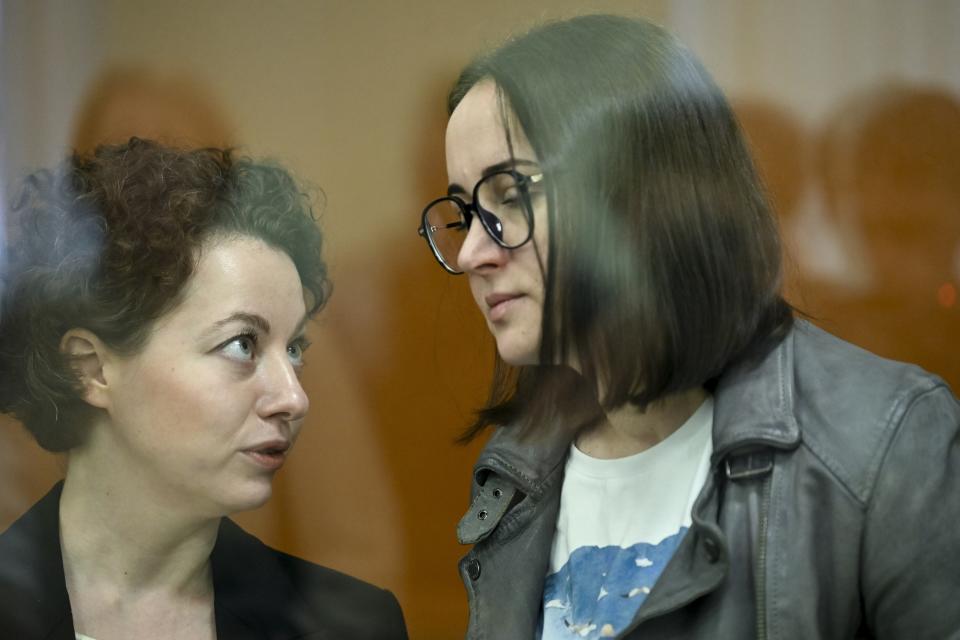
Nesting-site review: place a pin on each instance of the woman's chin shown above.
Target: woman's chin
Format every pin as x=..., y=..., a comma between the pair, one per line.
x=517, y=351
x=252, y=495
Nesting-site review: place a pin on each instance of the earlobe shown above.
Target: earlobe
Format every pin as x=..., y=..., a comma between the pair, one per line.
x=87, y=355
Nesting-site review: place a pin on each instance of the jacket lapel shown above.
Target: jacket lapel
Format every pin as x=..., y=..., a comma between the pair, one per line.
x=253, y=593
x=754, y=403
x=33, y=591
x=753, y=410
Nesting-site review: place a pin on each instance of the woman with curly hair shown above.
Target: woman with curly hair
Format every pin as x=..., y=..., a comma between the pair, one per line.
x=152, y=328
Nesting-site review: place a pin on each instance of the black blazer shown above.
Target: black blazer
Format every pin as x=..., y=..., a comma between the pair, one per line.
x=259, y=592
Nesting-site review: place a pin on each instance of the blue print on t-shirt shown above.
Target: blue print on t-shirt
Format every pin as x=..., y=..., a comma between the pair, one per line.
x=599, y=590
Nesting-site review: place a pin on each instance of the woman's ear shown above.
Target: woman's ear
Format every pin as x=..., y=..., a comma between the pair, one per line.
x=87, y=354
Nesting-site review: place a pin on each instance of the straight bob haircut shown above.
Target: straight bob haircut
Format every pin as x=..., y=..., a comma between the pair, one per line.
x=664, y=264
x=108, y=241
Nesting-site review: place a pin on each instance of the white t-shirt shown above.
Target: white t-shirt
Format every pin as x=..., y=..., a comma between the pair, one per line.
x=620, y=521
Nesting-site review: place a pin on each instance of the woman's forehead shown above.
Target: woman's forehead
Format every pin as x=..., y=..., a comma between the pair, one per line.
x=240, y=274
x=477, y=136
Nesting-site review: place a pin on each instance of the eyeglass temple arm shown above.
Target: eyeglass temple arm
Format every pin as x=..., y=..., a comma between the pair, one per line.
x=423, y=229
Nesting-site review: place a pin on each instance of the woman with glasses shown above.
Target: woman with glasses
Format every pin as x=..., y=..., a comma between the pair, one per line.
x=673, y=454
x=152, y=329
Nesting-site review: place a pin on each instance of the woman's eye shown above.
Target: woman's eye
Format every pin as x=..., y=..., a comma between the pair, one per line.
x=509, y=198
x=295, y=353
x=241, y=348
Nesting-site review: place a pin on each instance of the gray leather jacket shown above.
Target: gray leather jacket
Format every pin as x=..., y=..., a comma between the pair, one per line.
x=832, y=510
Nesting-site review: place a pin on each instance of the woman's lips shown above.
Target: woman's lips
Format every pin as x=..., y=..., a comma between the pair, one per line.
x=499, y=304
x=271, y=456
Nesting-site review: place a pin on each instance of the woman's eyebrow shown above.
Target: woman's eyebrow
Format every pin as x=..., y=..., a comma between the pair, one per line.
x=508, y=164
x=256, y=321
x=456, y=189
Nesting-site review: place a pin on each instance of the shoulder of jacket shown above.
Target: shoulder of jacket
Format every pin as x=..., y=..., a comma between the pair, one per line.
x=850, y=403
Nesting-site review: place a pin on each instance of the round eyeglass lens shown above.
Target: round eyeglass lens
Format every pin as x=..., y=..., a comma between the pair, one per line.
x=447, y=230
x=507, y=205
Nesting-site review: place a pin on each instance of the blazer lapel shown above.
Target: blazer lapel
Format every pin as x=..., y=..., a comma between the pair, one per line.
x=254, y=596
x=33, y=592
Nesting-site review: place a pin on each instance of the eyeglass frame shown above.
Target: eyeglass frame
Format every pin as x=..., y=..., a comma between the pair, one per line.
x=471, y=209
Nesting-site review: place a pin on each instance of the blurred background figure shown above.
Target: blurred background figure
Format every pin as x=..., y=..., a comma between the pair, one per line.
x=876, y=261
x=890, y=166
x=172, y=109
x=350, y=95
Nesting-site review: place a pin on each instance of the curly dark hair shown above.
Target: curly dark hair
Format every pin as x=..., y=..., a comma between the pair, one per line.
x=107, y=242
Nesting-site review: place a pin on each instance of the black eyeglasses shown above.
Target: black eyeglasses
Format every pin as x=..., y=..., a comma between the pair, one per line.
x=502, y=202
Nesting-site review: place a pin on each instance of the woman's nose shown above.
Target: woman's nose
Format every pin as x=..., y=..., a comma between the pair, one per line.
x=479, y=251
x=283, y=396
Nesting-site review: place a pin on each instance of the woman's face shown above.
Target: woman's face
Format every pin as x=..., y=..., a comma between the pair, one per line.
x=507, y=284
x=207, y=411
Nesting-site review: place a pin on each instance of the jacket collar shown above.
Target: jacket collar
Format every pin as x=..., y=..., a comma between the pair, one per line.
x=254, y=596
x=33, y=590
x=754, y=402
x=527, y=463
x=753, y=406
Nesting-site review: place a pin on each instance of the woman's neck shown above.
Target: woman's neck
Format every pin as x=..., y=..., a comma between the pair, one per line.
x=115, y=537
x=627, y=430
x=133, y=567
